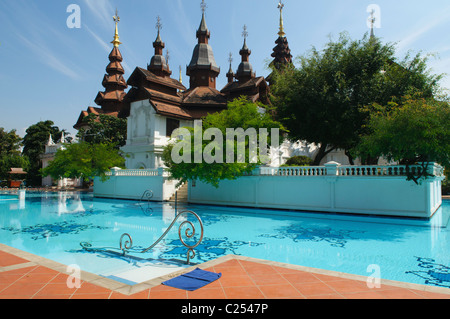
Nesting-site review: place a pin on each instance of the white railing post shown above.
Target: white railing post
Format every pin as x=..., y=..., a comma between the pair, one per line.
x=114, y=170
x=332, y=168
x=257, y=171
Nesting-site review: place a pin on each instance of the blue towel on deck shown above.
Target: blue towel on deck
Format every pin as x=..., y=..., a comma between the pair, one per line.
x=193, y=280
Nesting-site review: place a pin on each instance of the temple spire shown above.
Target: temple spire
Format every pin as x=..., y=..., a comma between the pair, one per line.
x=116, y=41
x=245, y=69
x=114, y=83
x=372, y=20
x=202, y=69
x=158, y=27
x=159, y=65
x=281, y=52
x=50, y=140
x=203, y=33
x=230, y=74
x=281, y=32
x=245, y=35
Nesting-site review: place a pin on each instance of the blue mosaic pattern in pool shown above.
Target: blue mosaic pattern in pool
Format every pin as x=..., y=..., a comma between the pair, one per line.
x=432, y=272
x=335, y=237
x=43, y=231
x=209, y=248
x=54, y=225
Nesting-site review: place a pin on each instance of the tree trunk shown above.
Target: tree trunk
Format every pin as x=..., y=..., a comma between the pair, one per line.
x=350, y=157
x=370, y=161
x=321, y=154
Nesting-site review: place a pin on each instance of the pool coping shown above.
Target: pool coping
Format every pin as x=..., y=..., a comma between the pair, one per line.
x=128, y=290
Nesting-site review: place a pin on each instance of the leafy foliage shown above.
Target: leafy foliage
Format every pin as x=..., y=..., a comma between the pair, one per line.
x=84, y=160
x=34, y=145
x=96, y=155
x=240, y=114
x=415, y=129
x=104, y=129
x=10, y=142
x=299, y=161
x=10, y=154
x=321, y=101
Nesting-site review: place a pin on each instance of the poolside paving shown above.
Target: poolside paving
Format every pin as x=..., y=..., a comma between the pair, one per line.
x=24, y=277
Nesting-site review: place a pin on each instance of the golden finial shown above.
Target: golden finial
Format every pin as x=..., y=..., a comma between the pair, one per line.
x=181, y=78
x=116, y=41
x=281, y=32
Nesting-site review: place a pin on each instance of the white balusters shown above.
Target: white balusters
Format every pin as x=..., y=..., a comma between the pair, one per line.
x=328, y=169
x=348, y=170
x=136, y=172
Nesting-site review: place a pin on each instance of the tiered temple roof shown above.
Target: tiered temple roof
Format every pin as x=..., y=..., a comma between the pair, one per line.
x=203, y=69
x=169, y=97
x=281, y=52
x=114, y=83
x=158, y=64
x=112, y=98
x=246, y=84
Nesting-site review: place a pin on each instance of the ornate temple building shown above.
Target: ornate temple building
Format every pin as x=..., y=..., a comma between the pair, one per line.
x=111, y=100
x=157, y=104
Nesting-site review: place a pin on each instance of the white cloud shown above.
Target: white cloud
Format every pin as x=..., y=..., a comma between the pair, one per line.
x=102, y=10
x=183, y=22
x=106, y=46
x=47, y=56
x=103, y=44
x=422, y=28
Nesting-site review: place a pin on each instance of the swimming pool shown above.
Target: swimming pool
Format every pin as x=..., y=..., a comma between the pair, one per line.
x=53, y=225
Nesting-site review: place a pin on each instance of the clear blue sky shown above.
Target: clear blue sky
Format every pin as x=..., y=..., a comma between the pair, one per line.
x=51, y=72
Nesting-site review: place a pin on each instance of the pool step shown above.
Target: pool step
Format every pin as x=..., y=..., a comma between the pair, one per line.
x=182, y=195
x=145, y=271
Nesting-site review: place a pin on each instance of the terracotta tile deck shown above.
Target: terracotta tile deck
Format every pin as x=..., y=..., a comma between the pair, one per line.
x=25, y=276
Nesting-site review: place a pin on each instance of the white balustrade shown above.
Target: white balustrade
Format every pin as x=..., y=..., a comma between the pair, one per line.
x=293, y=171
x=348, y=170
x=332, y=168
x=136, y=172
x=379, y=170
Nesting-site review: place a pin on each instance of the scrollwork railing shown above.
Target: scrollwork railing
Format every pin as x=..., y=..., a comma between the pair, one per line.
x=126, y=242
x=125, y=246
x=147, y=195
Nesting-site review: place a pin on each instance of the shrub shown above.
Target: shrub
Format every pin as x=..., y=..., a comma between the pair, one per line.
x=299, y=161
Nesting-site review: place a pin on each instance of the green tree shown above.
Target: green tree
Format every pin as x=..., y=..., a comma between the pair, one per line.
x=34, y=146
x=321, y=101
x=413, y=130
x=10, y=142
x=84, y=160
x=240, y=114
x=10, y=153
x=104, y=129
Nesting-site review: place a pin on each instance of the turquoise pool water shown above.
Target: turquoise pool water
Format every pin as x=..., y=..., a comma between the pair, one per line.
x=54, y=225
